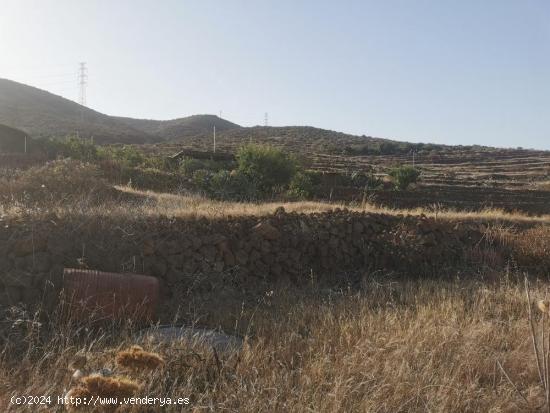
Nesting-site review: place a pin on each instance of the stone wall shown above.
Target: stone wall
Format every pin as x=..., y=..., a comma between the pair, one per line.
x=242, y=251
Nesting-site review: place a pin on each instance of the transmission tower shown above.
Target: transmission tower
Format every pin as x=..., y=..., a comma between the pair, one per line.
x=265, y=119
x=82, y=82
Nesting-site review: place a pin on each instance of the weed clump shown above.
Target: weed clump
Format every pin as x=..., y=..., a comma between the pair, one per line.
x=101, y=386
x=56, y=183
x=137, y=359
x=98, y=386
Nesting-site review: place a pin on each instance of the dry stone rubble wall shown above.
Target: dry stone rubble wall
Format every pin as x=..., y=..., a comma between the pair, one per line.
x=282, y=246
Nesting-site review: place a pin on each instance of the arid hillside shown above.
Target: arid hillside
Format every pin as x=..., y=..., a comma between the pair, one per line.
x=42, y=114
x=182, y=128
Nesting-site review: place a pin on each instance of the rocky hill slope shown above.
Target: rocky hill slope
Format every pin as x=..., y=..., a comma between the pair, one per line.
x=180, y=128
x=43, y=114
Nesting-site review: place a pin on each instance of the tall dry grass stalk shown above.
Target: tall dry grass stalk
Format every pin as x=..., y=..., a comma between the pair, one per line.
x=541, y=351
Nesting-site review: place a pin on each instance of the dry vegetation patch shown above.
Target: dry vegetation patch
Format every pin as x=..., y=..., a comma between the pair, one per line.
x=409, y=346
x=57, y=183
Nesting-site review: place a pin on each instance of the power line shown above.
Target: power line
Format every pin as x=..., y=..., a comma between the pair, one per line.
x=52, y=76
x=82, y=82
x=63, y=82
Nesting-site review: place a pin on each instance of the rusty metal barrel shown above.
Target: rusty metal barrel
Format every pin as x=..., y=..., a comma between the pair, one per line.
x=95, y=295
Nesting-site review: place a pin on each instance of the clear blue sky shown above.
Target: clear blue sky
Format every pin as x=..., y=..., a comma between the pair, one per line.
x=456, y=72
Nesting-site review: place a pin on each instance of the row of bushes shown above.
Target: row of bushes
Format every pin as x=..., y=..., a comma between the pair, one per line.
x=265, y=172
x=389, y=148
x=260, y=172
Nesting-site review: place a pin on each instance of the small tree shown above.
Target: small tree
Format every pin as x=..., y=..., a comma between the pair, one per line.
x=301, y=186
x=404, y=176
x=267, y=167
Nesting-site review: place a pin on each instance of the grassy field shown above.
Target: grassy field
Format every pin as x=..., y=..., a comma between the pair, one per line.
x=407, y=346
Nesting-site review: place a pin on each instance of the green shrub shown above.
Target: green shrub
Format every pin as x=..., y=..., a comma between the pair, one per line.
x=126, y=155
x=269, y=168
x=72, y=147
x=84, y=150
x=188, y=166
x=221, y=185
x=301, y=186
x=201, y=179
x=364, y=180
x=225, y=185
x=404, y=176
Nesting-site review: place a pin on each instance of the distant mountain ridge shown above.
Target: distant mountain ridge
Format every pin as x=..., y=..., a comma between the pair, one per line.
x=42, y=114
x=180, y=128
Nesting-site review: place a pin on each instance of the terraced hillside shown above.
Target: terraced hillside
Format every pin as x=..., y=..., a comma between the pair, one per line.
x=304, y=139
x=461, y=177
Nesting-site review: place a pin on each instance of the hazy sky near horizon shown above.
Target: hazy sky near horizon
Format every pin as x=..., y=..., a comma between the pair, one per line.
x=454, y=72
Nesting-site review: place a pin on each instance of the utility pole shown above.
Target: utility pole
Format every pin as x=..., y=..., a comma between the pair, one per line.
x=214, y=138
x=25, y=143
x=414, y=154
x=82, y=82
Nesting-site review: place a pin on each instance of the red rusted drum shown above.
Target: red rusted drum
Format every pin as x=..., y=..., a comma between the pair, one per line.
x=104, y=295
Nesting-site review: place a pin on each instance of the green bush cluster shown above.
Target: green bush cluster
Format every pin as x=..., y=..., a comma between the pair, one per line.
x=261, y=172
x=268, y=168
x=84, y=150
x=404, y=176
x=188, y=166
x=302, y=185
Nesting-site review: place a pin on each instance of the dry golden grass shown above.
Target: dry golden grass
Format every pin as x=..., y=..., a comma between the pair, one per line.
x=196, y=206
x=148, y=203
x=412, y=346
